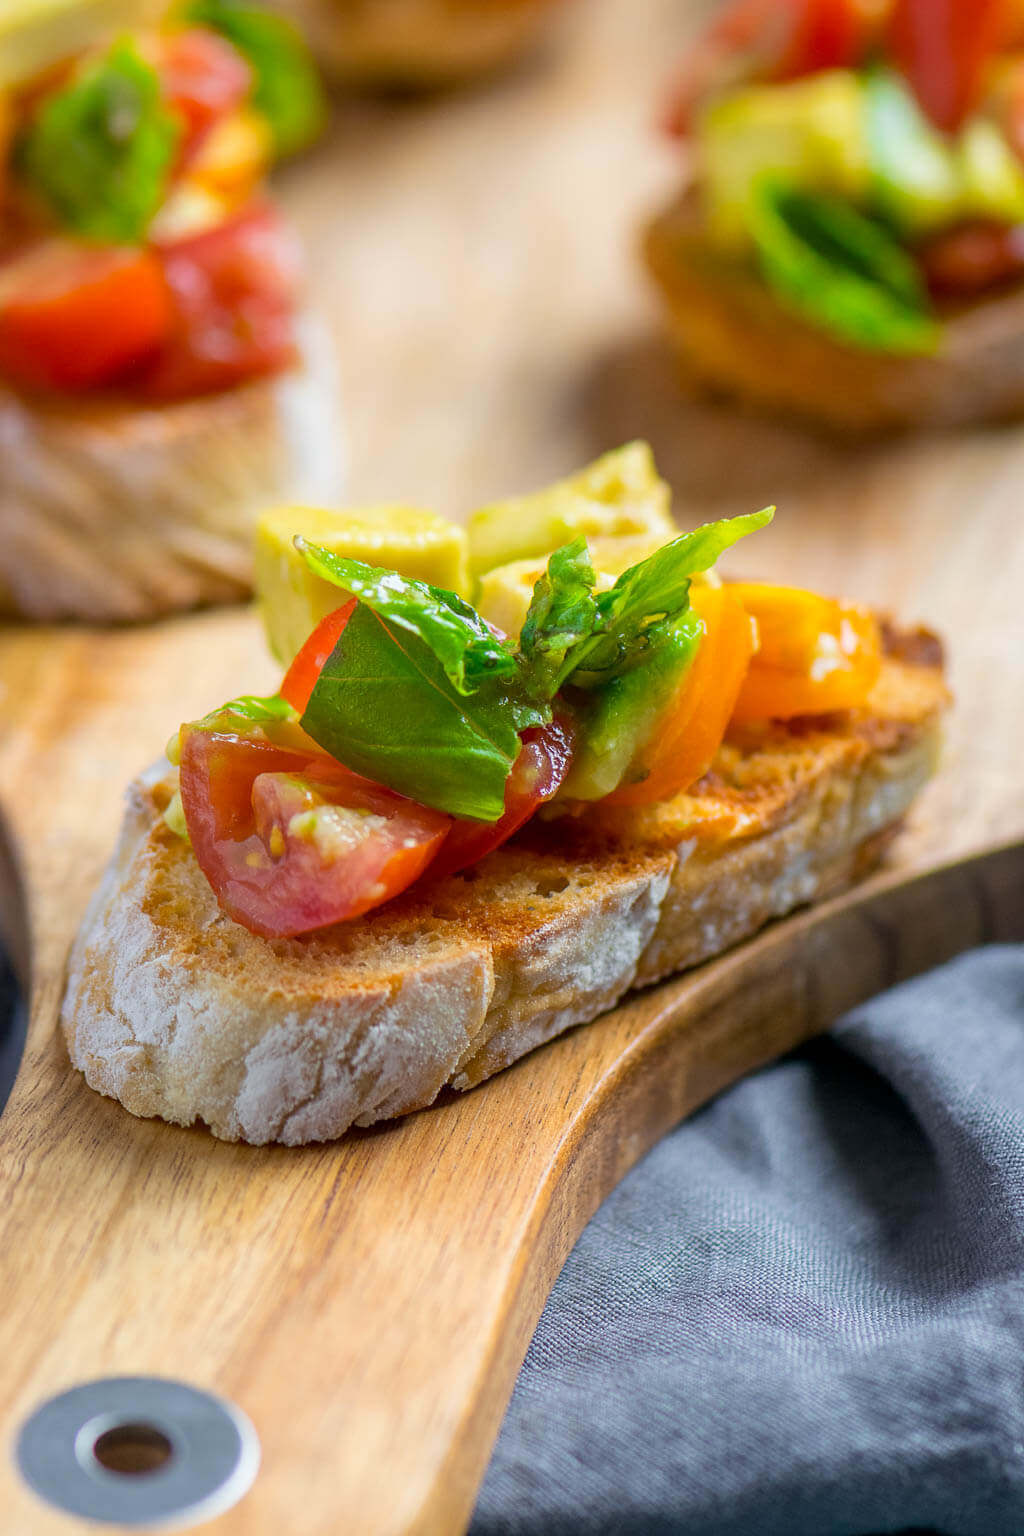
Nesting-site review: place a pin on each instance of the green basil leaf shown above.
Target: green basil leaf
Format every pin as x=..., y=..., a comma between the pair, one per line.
x=286, y=87
x=100, y=151
x=385, y=706
x=843, y=271
x=562, y=612
x=466, y=648
x=651, y=596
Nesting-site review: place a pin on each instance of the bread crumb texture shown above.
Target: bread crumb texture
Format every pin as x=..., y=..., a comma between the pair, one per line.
x=177, y=1011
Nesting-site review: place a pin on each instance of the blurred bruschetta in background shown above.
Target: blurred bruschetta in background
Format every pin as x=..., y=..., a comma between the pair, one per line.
x=848, y=243
x=159, y=383
x=418, y=43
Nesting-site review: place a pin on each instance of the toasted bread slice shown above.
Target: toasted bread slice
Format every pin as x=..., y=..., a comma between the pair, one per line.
x=417, y=43
x=177, y=1011
x=733, y=336
x=114, y=510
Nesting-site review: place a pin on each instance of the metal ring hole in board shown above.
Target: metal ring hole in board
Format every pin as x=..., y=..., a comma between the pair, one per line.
x=140, y=1451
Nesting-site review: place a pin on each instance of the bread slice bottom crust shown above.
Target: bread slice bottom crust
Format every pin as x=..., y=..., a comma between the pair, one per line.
x=734, y=337
x=113, y=511
x=177, y=1011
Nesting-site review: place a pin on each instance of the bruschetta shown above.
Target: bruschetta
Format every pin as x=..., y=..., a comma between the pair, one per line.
x=418, y=43
x=158, y=381
x=848, y=240
x=441, y=844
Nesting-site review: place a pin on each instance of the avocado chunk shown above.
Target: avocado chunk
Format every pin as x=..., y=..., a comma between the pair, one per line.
x=619, y=719
x=504, y=594
x=923, y=181
x=811, y=133
x=418, y=544
x=619, y=494
x=37, y=34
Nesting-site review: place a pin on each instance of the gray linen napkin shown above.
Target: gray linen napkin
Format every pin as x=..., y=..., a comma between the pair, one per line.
x=803, y=1313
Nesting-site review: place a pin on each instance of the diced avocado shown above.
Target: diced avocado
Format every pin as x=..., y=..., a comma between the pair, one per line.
x=504, y=594
x=811, y=133
x=915, y=177
x=418, y=544
x=37, y=34
x=993, y=176
x=620, y=493
x=619, y=720
x=923, y=181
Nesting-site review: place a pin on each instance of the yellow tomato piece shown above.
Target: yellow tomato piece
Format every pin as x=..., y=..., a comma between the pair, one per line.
x=815, y=655
x=234, y=155
x=683, y=747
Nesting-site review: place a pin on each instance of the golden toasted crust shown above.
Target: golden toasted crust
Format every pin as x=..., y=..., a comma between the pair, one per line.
x=177, y=1011
x=733, y=336
x=417, y=42
x=115, y=511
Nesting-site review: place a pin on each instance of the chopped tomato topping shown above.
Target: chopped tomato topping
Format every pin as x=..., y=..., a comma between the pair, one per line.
x=300, y=679
x=685, y=743
x=816, y=655
x=769, y=40
x=76, y=317
x=538, y=773
x=291, y=841
x=233, y=291
x=204, y=79
x=972, y=258
x=942, y=47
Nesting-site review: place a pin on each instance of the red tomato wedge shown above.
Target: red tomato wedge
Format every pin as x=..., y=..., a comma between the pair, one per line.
x=204, y=79
x=537, y=774
x=972, y=258
x=291, y=841
x=942, y=48
x=233, y=290
x=816, y=655
x=691, y=733
x=73, y=317
x=769, y=40
x=301, y=676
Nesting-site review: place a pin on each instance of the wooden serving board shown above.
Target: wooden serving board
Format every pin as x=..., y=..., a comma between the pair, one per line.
x=367, y=1303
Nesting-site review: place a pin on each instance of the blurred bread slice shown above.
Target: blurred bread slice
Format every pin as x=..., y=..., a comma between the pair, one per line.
x=417, y=42
x=734, y=337
x=114, y=510
x=177, y=1011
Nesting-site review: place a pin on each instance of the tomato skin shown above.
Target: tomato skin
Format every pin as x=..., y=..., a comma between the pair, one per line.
x=289, y=840
x=692, y=731
x=537, y=775
x=771, y=40
x=76, y=317
x=816, y=655
x=973, y=257
x=233, y=291
x=204, y=79
x=300, y=679
x=942, y=47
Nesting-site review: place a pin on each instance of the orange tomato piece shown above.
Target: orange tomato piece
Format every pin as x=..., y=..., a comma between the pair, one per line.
x=687, y=739
x=815, y=655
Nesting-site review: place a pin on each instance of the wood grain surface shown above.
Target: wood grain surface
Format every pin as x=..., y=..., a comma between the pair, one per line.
x=368, y=1303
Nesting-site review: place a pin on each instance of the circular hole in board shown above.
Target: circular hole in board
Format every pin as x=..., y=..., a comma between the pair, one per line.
x=133, y=1450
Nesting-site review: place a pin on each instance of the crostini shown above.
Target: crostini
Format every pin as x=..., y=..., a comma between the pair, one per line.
x=849, y=242
x=158, y=383
x=440, y=846
x=418, y=43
